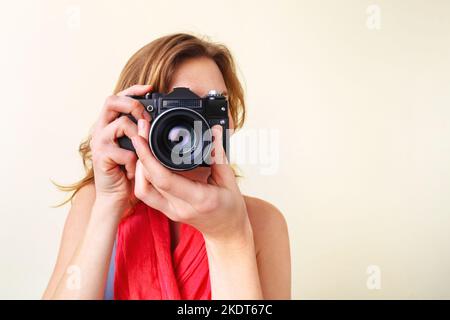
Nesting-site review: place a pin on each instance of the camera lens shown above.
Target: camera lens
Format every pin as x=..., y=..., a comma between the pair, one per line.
x=182, y=136
x=179, y=138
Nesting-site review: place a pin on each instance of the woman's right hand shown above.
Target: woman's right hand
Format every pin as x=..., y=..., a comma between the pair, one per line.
x=112, y=183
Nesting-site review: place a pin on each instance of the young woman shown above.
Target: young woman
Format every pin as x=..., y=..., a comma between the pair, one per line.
x=137, y=230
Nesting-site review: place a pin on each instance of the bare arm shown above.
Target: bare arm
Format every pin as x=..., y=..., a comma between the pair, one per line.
x=91, y=259
x=91, y=226
x=219, y=211
x=233, y=267
x=74, y=229
x=256, y=266
x=82, y=265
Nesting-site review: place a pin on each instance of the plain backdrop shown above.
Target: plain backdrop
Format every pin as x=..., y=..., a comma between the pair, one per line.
x=362, y=115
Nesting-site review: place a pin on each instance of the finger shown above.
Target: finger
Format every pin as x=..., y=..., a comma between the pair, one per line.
x=146, y=192
x=162, y=178
x=120, y=127
x=115, y=105
x=123, y=157
x=136, y=90
x=155, y=198
x=218, y=152
x=221, y=172
x=143, y=129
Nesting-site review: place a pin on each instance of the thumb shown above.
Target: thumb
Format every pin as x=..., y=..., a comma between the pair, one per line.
x=221, y=172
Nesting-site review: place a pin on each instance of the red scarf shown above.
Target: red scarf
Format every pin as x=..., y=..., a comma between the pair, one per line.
x=146, y=267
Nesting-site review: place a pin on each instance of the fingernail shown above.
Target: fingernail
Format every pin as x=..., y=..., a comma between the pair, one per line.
x=141, y=124
x=219, y=128
x=134, y=141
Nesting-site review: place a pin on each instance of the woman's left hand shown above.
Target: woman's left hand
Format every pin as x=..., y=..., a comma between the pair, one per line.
x=216, y=208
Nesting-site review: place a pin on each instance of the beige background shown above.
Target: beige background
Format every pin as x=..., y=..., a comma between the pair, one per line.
x=363, y=118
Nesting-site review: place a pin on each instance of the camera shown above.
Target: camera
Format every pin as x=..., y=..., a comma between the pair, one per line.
x=180, y=133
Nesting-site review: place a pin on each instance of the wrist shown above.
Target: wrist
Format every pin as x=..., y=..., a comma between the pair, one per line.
x=107, y=209
x=239, y=239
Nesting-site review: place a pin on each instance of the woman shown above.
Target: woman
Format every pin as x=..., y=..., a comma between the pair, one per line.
x=137, y=230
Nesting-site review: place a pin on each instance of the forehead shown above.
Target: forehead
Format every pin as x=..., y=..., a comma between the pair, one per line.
x=200, y=75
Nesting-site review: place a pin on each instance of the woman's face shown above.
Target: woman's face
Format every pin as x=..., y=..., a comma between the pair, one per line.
x=200, y=75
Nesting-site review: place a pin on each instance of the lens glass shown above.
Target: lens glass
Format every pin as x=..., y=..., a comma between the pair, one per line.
x=181, y=137
x=177, y=138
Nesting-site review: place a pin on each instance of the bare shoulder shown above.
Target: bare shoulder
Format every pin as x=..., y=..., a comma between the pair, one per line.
x=267, y=221
x=270, y=233
x=263, y=214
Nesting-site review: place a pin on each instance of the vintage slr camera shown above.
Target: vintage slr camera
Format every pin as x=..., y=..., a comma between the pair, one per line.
x=180, y=133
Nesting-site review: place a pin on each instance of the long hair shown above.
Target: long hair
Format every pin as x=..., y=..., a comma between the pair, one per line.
x=155, y=64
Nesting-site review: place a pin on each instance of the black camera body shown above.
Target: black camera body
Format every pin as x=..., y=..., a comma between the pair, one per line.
x=180, y=134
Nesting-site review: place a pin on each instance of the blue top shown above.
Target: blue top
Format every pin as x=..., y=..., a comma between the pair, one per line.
x=109, y=289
